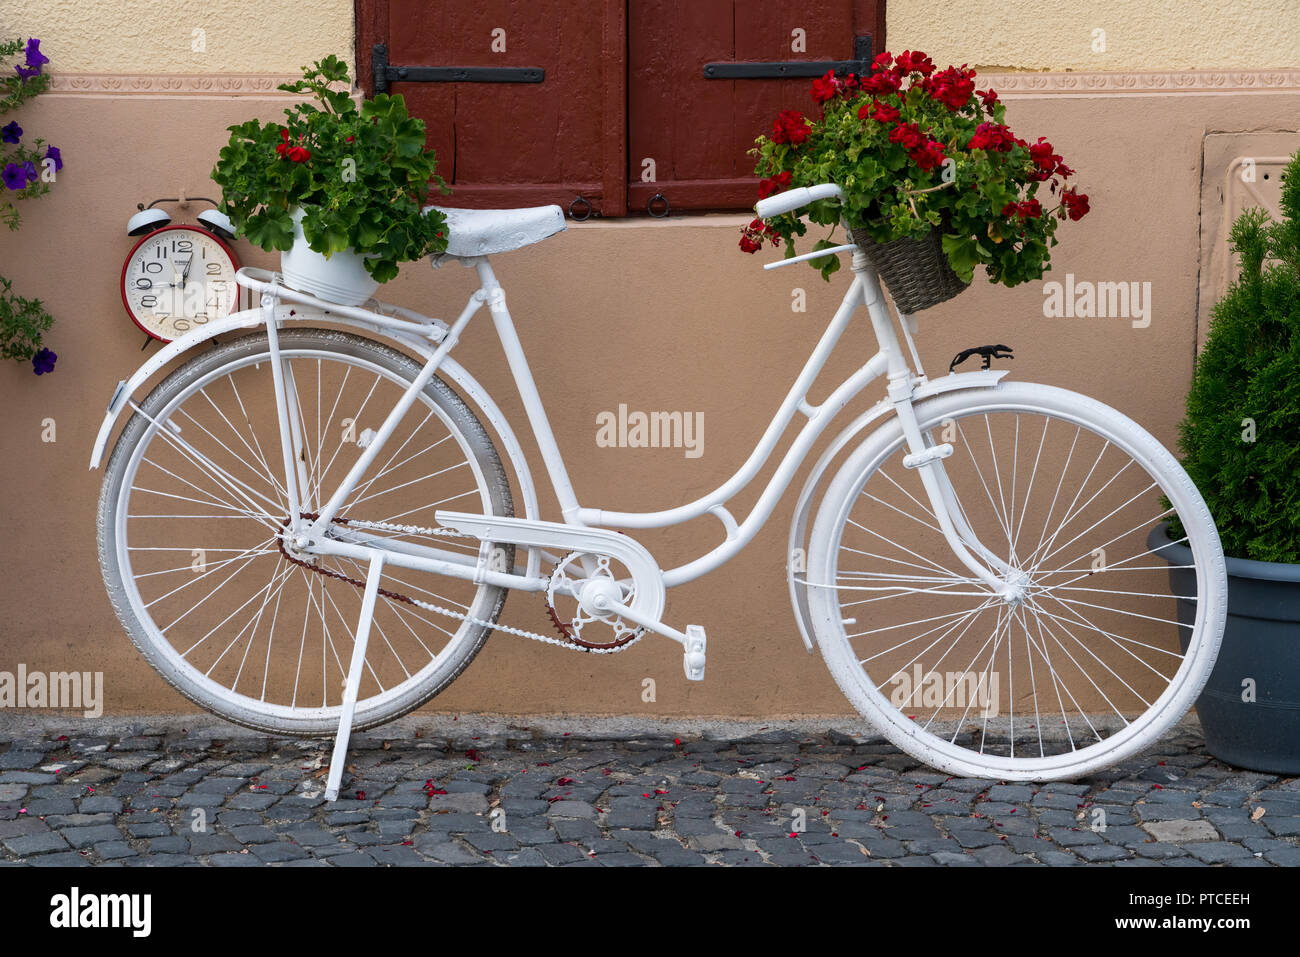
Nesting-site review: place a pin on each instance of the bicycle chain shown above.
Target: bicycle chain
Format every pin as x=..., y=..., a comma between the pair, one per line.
x=567, y=642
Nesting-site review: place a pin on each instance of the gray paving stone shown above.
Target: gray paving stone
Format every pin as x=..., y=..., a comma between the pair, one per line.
x=80, y=837
x=1181, y=831
x=30, y=845
x=1218, y=852
x=281, y=851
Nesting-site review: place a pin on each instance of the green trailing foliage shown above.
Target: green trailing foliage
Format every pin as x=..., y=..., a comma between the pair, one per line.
x=1240, y=439
x=27, y=167
x=22, y=321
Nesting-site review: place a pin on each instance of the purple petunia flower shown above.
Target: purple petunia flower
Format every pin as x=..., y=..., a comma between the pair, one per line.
x=43, y=361
x=14, y=176
x=11, y=132
x=29, y=170
x=53, y=153
x=34, y=55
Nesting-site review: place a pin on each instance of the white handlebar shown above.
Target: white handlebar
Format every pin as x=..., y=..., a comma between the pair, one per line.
x=796, y=198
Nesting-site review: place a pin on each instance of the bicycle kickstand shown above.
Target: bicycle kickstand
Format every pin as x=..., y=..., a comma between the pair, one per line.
x=354, y=678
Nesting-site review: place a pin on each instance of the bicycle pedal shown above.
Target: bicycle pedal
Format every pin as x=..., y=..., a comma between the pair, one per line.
x=694, y=654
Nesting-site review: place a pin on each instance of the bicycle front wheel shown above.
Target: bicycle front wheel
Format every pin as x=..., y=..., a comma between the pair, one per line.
x=1086, y=657
x=194, y=503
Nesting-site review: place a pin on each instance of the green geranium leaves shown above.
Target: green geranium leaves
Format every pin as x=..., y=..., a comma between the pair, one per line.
x=362, y=175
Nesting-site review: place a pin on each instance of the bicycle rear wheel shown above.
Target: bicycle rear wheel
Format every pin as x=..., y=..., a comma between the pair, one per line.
x=193, y=502
x=1087, y=661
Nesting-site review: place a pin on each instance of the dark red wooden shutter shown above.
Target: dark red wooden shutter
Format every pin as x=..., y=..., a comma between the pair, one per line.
x=624, y=84
x=514, y=144
x=698, y=130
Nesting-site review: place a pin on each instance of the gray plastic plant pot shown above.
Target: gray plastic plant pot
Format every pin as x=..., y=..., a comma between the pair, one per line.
x=1260, y=655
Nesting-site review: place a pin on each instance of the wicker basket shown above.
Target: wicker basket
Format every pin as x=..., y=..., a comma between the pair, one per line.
x=916, y=271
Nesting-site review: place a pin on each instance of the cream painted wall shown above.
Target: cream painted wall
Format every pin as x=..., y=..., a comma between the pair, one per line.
x=144, y=36
x=1139, y=34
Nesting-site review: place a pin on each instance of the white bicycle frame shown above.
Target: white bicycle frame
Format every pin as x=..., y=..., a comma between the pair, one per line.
x=889, y=361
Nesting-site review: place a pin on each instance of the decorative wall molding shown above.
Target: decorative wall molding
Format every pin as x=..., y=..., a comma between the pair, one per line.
x=1184, y=81
x=171, y=84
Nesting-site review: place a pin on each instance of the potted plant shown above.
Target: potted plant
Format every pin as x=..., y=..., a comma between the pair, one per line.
x=934, y=181
x=339, y=190
x=1240, y=443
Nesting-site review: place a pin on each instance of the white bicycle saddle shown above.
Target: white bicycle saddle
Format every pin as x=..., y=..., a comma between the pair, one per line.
x=483, y=232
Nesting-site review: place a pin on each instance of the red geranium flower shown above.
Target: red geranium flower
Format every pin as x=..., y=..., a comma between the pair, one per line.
x=790, y=127
x=1073, y=204
x=909, y=62
x=824, y=87
x=908, y=134
x=1027, y=209
x=1043, y=157
x=929, y=156
x=882, y=84
x=777, y=184
x=881, y=112
x=952, y=87
x=993, y=137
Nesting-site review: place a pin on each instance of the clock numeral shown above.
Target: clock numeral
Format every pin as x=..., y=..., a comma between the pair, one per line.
x=182, y=246
x=214, y=269
x=162, y=252
x=181, y=325
x=148, y=302
x=150, y=266
x=144, y=284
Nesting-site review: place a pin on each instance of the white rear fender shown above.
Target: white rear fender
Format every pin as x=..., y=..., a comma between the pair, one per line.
x=803, y=507
x=421, y=345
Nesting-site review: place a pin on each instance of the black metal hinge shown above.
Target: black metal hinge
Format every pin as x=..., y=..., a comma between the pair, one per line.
x=385, y=73
x=766, y=69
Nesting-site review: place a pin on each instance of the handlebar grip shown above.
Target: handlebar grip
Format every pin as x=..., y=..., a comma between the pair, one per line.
x=793, y=199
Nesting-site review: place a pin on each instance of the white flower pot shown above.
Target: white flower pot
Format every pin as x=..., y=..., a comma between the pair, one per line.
x=342, y=278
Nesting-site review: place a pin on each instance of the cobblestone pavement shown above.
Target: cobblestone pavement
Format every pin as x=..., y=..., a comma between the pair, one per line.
x=473, y=792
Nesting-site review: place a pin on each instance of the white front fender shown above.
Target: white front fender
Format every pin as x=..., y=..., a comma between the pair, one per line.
x=803, y=507
x=449, y=369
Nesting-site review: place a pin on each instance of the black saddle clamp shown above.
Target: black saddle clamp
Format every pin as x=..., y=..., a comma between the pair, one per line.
x=988, y=352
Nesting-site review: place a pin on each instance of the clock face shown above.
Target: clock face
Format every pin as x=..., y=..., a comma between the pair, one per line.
x=176, y=279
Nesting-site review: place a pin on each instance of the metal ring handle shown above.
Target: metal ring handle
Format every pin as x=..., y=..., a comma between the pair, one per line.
x=649, y=206
x=585, y=202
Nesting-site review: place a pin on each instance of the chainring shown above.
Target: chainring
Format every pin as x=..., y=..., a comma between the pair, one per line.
x=562, y=584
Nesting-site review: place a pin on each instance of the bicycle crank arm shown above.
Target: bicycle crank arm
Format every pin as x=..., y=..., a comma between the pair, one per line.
x=694, y=643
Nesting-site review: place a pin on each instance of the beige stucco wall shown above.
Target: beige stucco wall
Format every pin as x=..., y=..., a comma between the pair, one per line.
x=145, y=36
x=277, y=36
x=678, y=318
x=1138, y=34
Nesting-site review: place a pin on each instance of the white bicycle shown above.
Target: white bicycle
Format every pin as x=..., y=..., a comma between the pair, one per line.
x=304, y=528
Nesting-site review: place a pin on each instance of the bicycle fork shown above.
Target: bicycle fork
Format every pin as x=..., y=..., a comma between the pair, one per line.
x=926, y=458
